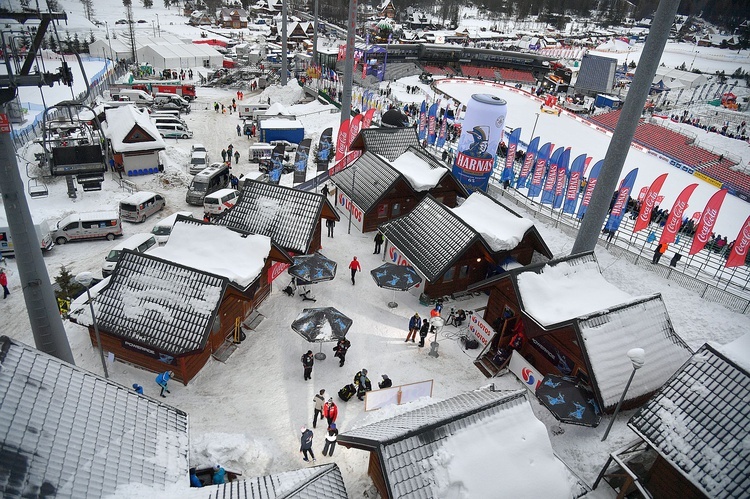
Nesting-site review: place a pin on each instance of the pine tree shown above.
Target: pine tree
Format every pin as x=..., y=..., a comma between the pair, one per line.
x=52, y=42
x=68, y=42
x=148, y=3
x=53, y=6
x=76, y=43
x=69, y=289
x=91, y=36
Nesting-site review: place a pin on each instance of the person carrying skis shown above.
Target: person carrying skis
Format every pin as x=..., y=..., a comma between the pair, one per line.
x=341, y=348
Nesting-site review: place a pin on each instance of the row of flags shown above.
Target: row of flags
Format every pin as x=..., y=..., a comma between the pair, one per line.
x=348, y=130
x=546, y=171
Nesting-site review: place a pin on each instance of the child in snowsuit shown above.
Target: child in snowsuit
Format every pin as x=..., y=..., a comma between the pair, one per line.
x=423, y=332
x=307, y=364
x=305, y=446
x=330, y=444
x=341, y=348
x=162, y=381
x=319, y=400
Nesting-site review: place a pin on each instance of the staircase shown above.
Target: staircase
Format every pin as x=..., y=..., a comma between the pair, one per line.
x=485, y=365
x=229, y=346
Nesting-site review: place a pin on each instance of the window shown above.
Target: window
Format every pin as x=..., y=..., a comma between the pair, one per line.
x=448, y=276
x=396, y=209
x=71, y=226
x=463, y=272
x=382, y=210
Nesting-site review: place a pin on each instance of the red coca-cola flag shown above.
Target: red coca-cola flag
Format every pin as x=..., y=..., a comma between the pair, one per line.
x=644, y=216
x=708, y=220
x=696, y=216
x=642, y=193
x=674, y=220
x=342, y=140
x=738, y=255
x=354, y=128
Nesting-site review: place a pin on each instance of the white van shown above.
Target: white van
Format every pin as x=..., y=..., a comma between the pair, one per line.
x=167, y=120
x=139, y=242
x=220, y=201
x=259, y=152
x=198, y=162
x=169, y=131
x=166, y=113
x=246, y=110
x=137, y=96
x=161, y=98
x=141, y=205
x=42, y=233
x=94, y=225
x=163, y=228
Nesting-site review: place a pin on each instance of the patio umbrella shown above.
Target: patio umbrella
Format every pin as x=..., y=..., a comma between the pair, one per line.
x=309, y=269
x=321, y=324
x=395, y=277
x=568, y=401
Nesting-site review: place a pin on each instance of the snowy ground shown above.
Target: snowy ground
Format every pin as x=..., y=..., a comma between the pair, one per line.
x=246, y=413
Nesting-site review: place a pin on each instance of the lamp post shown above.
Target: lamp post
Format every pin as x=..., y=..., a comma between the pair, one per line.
x=436, y=324
x=638, y=359
x=158, y=26
x=111, y=55
x=534, y=129
x=85, y=279
x=153, y=28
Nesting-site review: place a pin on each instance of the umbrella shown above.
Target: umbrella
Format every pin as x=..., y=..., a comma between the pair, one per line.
x=568, y=401
x=309, y=269
x=395, y=277
x=321, y=324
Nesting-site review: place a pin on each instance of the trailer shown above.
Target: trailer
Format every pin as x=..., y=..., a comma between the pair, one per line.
x=42, y=233
x=609, y=101
x=281, y=129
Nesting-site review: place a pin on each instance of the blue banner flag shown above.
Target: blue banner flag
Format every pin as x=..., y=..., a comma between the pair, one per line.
x=623, y=194
x=528, y=162
x=574, y=184
x=510, y=157
x=590, y=186
x=422, y=130
x=540, y=168
x=441, y=135
x=548, y=191
x=562, y=178
x=432, y=124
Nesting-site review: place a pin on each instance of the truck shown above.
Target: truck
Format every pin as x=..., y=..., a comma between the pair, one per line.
x=159, y=86
x=42, y=233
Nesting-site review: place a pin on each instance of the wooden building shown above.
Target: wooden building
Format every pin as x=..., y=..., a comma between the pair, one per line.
x=455, y=248
x=234, y=18
x=387, y=142
x=377, y=190
x=386, y=9
x=292, y=218
x=134, y=140
x=689, y=432
x=172, y=308
x=577, y=324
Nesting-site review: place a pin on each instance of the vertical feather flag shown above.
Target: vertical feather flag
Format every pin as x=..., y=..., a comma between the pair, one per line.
x=510, y=158
x=644, y=215
x=540, y=167
x=367, y=120
x=431, y=123
x=422, y=131
x=562, y=178
x=738, y=255
x=354, y=128
x=623, y=194
x=674, y=220
x=708, y=220
x=441, y=135
x=528, y=162
x=590, y=186
x=574, y=184
x=342, y=145
x=548, y=191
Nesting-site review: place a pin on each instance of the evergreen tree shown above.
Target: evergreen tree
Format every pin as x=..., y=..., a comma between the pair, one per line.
x=127, y=3
x=88, y=8
x=69, y=289
x=53, y=6
x=148, y=3
x=67, y=42
x=76, y=43
x=52, y=42
x=167, y=3
x=91, y=36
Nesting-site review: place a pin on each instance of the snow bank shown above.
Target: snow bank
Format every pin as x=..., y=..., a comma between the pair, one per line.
x=515, y=451
x=287, y=95
x=417, y=171
x=567, y=291
x=500, y=229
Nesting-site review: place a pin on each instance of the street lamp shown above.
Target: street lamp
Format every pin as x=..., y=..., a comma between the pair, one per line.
x=436, y=325
x=158, y=26
x=85, y=279
x=637, y=357
x=534, y=129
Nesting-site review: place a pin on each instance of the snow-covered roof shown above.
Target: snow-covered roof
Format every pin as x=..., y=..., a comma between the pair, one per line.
x=607, y=336
x=374, y=178
x=288, y=216
x=317, y=481
x=564, y=290
x=126, y=127
x=242, y=258
x=280, y=124
x=157, y=303
x=450, y=445
x=276, y=109
x=387, y=142
x=423, y=175
x=500, y=228
x=138, y=197
x=698, y=422
x=67, y=432
x=738, y=351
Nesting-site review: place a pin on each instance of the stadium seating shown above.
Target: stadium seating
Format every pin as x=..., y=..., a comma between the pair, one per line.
x=439, y=70
x=516, y=76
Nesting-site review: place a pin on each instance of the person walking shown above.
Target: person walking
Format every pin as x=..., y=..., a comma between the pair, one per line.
x=239, y=131
x=414, y=324
x=378, y=243
x=354, y=267
x=162, y=381
x=305, y=446
x=675, y=259
x=331, y=437
x=307, y=363
x=342, y=346
x=320, y=401
x=4, y=283
x=330, y=224
x=330, y=411
x=224, y=155
x=658, y=252
x=423, y=331
x=324, y=190
x=236, y=157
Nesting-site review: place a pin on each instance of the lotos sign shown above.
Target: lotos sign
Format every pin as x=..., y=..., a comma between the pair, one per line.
x=480, y=329
x=344, y=205
x=530, y=377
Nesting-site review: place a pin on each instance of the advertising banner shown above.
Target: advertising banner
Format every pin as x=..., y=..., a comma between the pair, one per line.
x=300, y=161
x=277, y=164
x=510, y=157
x=342, y=140
x=649, y=201
x=481, y=132
x=562, y=178
x=618, y=209
x=482, y=331
x=344, y=205
x=325, y=148
x=738, y=255
x=422, y=130
x=441, y=135
x=525, y=372
x=432, y=123
x=590, y=186
x=548, y=191
x=674, y=220
x=574, y=184
x=528, y=162
x=540, y=169
x=708, y=220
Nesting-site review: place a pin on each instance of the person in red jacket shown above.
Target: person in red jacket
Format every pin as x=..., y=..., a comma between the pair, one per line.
x=4, y=283
x=354, y=267
x=330, y=411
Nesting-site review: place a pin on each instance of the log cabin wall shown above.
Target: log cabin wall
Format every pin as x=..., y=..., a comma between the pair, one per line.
x=375, y=472
x=397, y=202
x=665, y=482
x=464, y=272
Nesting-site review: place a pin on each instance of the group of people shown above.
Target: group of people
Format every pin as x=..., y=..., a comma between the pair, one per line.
x=226, y=154
x=218, y=476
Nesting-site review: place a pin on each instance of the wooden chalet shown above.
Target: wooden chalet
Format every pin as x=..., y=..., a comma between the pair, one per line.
x=378, y=190
x=386, y=9
x=232, y=17
x=387, y=142
x=172, y=308
x=689, y=433
x=411, y=454
x=200, y=18
x=290, y=217
x=577, y=324
x=68, y=432
x=134, y=140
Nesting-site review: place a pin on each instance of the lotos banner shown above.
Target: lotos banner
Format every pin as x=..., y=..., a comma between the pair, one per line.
x=590, y=186
x=649, y=201
x=618, y=209
x=738, y=255
x=674, y=220
x=482, y=331
x=708, y=220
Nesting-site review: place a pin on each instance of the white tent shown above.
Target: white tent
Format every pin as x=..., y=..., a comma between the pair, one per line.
x=180, y=56
x=119, y=48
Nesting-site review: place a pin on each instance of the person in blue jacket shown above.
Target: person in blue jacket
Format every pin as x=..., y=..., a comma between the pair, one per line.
x=414, y=323
x=219, y=475
x=138, y=388
x=162, y=381
x=194, y=480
